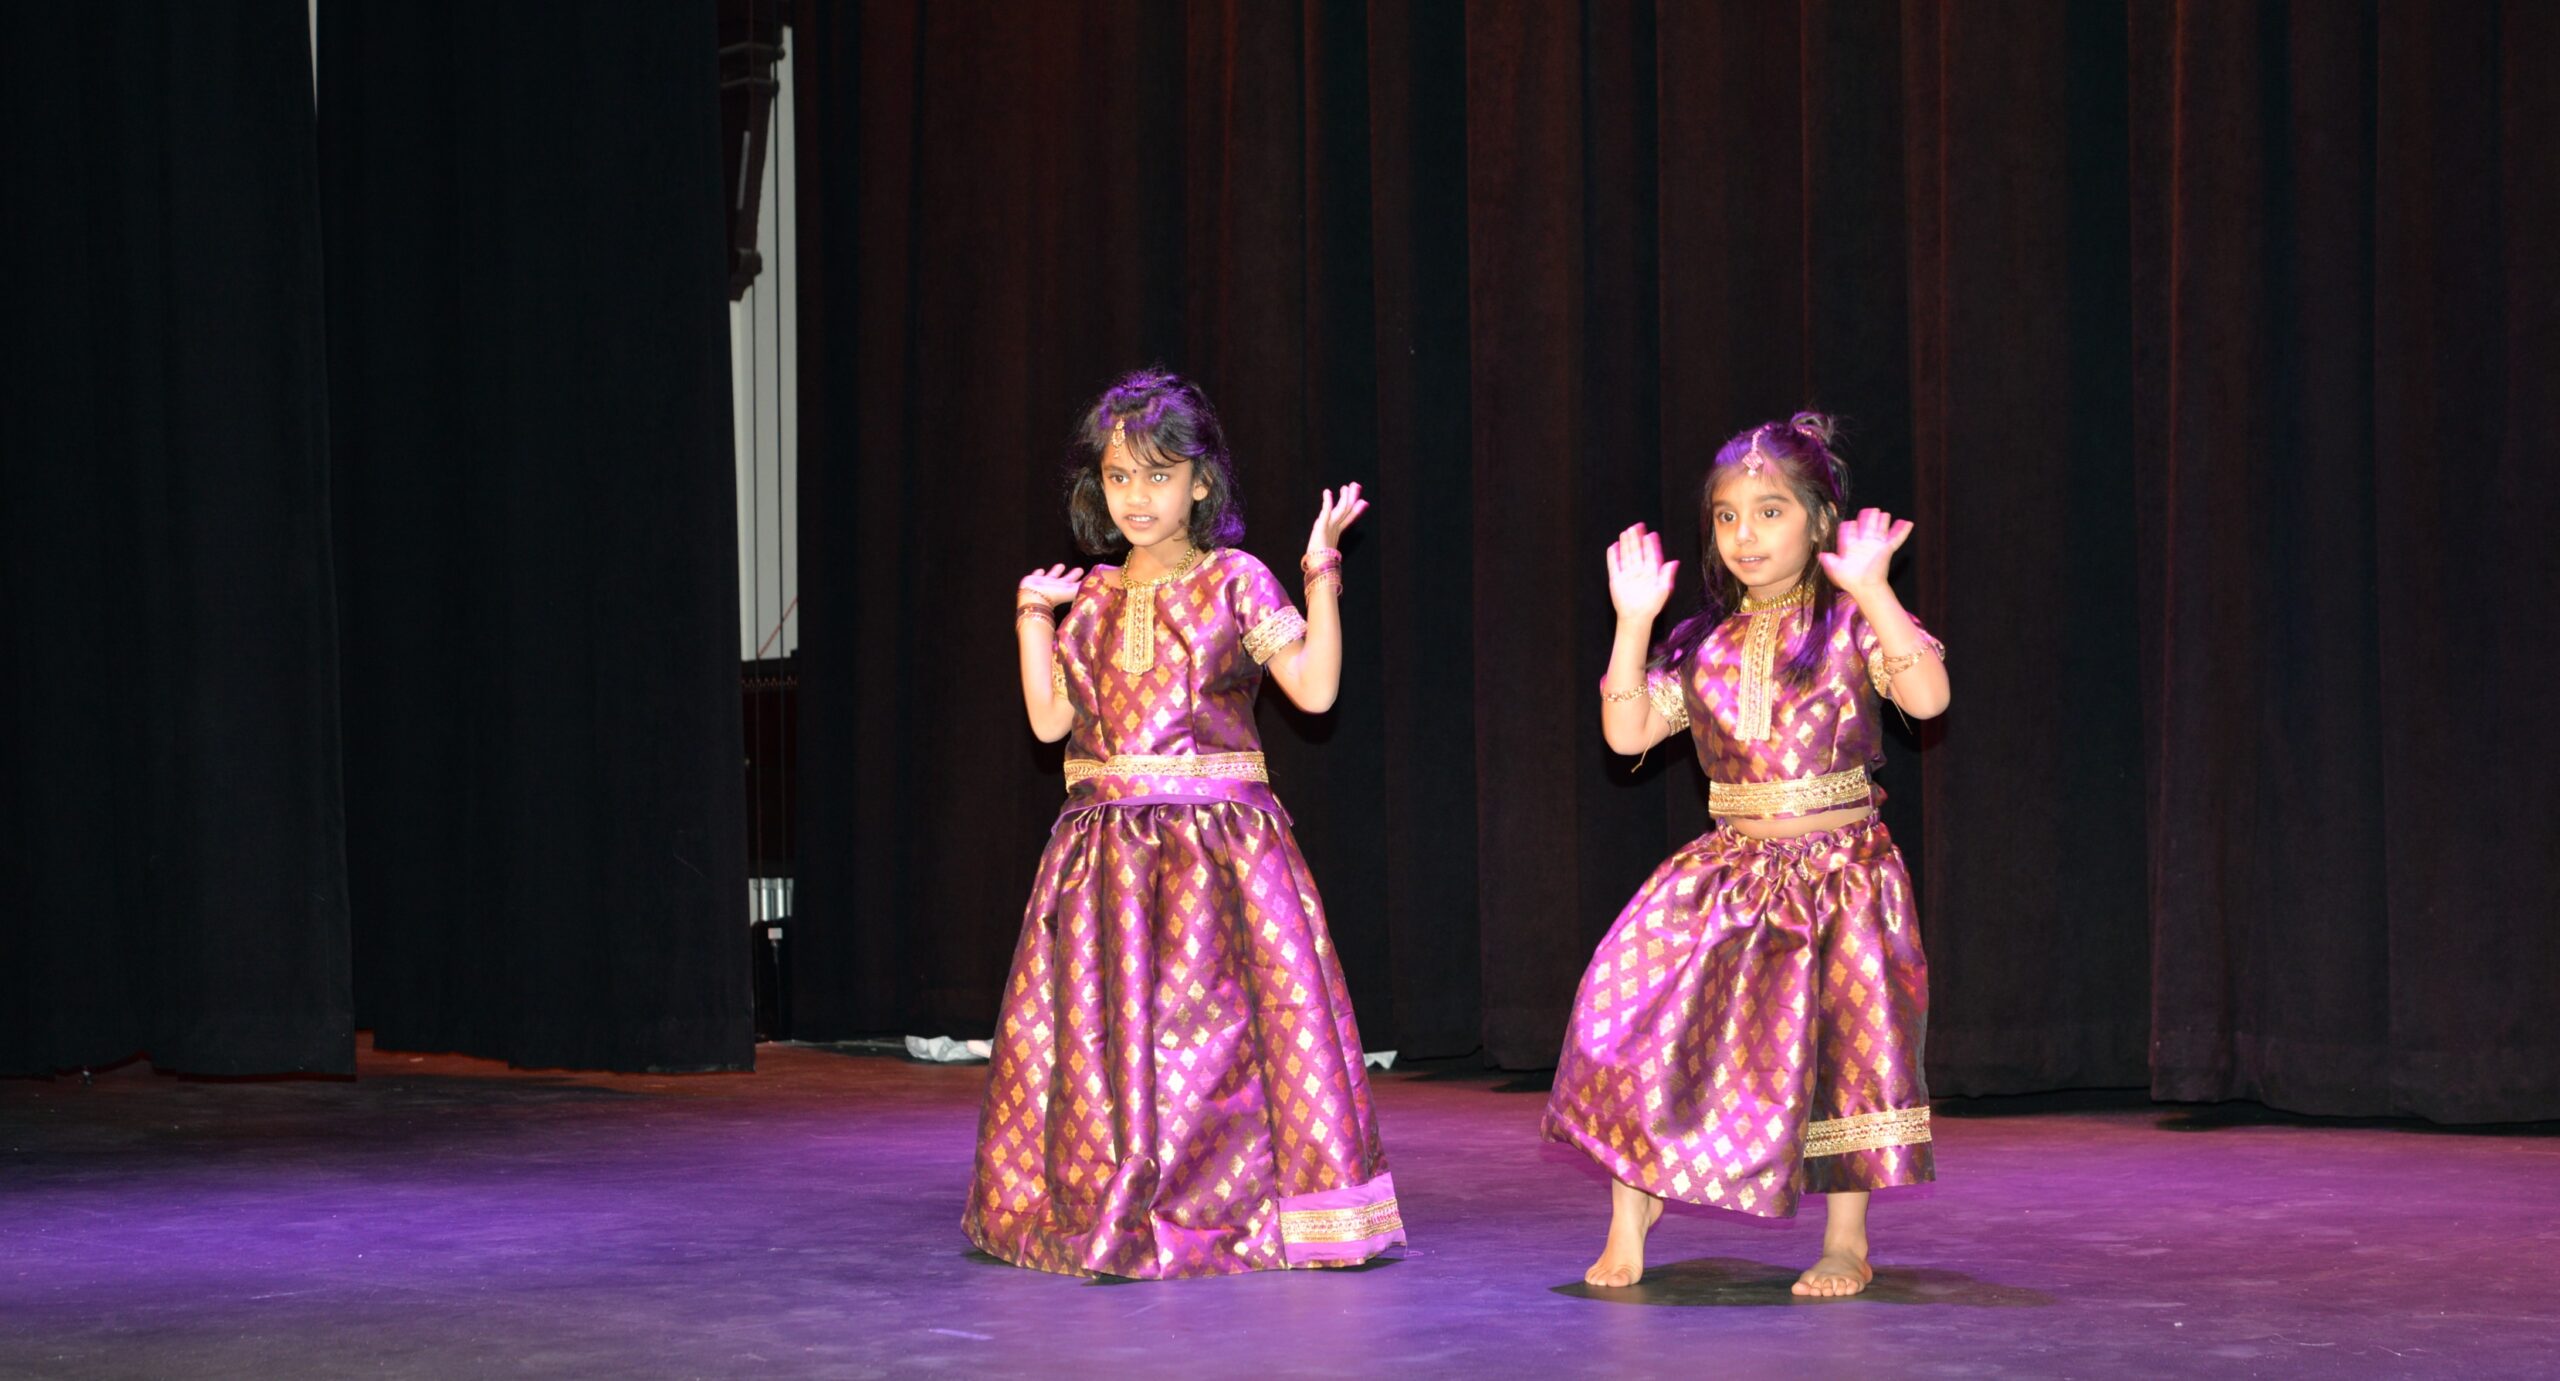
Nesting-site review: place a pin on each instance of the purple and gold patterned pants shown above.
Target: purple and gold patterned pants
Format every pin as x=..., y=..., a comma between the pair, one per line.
x=1751, y=1027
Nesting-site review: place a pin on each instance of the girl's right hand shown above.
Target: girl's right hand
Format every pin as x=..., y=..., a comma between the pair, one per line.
x=1639, y=579
x=1052, y=587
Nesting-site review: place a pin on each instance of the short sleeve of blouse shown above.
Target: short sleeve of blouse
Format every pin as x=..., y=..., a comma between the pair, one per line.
x=1662, y=686
x=1263, y=610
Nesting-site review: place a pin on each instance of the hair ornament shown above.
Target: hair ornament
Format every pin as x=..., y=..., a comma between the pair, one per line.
x=1755, y=459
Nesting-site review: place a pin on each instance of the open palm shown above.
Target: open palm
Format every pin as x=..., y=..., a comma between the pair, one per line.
x=1639, y=579
x=1055, y=585
x=1863, y=556
x=1335, y=517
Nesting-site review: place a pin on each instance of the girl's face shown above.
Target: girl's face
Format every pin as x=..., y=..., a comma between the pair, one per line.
x=1764, y=533
x=1150, y=495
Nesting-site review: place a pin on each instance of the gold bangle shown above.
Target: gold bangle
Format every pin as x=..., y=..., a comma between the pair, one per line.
x=1619, y=697
x=1324, y=565
x=1041, y=611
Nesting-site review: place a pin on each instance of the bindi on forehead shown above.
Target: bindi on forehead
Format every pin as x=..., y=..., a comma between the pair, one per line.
x=1124, y=460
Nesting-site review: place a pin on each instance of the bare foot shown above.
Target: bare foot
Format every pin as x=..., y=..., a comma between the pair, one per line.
x=1632, y=1214
x=1838, y=1271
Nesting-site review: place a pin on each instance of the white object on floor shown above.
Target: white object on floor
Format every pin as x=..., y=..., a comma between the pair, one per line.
x=1378, y=1059
x=943, y=1050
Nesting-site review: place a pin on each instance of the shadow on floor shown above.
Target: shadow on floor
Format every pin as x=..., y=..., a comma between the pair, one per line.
x=1731, y=1281
x=976, y=1257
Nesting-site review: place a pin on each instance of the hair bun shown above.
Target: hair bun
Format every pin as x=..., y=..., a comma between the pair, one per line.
x=1820, y=428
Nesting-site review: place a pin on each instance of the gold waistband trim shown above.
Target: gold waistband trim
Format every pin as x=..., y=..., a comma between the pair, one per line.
x=1800, y=796
x=1868, y=1131
x=1231, y=767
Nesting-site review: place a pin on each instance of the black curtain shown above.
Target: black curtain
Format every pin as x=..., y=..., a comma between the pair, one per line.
x=174, y=879
x=529, y=383
x=2198, y=339
x=371, y=609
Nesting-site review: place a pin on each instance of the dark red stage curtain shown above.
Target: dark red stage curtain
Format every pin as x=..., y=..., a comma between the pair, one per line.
x=2348, y=331
x=2091, y=284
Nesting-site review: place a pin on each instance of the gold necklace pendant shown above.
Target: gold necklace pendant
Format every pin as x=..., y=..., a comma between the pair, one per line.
x=1138, y=620
x=1760, y=659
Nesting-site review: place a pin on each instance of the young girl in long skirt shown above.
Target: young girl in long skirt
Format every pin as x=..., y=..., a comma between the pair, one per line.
x=1751, y=1027
x=1176, y=1086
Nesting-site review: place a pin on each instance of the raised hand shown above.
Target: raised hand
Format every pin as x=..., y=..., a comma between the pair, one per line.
x=1639, y=579
x=1052, y=587
x=1335, y=518
x=1865, y=550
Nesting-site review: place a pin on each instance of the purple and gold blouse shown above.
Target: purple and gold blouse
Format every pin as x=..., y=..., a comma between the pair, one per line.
x=1770, y=750
x=1162, y=674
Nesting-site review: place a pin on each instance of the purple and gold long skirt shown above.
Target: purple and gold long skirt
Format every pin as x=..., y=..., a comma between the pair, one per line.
x=1751, y=1028
x=1176, y=1086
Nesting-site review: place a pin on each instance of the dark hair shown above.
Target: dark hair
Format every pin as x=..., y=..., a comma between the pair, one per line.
x=1168, y=420
x=1800, y=449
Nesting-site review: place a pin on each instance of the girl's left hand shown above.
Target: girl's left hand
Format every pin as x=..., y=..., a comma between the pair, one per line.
x=1866, y=548
x=1335, y=518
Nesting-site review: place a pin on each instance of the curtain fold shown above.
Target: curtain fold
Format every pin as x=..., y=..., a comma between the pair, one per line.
x=2196, y=338
x=174, y=883
x=529, y=379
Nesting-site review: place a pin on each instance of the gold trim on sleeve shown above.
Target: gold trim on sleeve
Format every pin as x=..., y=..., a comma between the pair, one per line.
x=1057, y=674
x=1868, y=1131
x=1322, y=1225
x=1270, y=637
x=1232, y=767
x=1794, y=796
x=1668, y=701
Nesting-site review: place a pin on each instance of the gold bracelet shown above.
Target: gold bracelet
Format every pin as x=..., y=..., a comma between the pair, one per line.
x=1325, y=565
x=1040, y=611
x=1619, y=697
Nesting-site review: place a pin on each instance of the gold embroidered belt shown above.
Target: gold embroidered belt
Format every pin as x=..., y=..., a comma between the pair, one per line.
x=1800, y=796
x=1231, y=767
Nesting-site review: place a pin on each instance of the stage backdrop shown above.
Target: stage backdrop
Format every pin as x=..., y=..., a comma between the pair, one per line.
x=2199, y=340
x=458, y=759
x=174, y=876
x=529, y=390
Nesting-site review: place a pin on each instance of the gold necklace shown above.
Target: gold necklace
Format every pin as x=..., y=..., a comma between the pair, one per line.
x=1760, y=660
x=1138, y=620
x=1796, y=598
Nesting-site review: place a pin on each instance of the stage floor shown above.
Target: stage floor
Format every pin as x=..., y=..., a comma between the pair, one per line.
x=442, y=1217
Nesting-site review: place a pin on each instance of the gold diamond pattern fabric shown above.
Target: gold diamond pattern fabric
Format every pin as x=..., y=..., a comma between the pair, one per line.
x=1751, y=1028
x=1176, y=1085
x=1752, y=728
